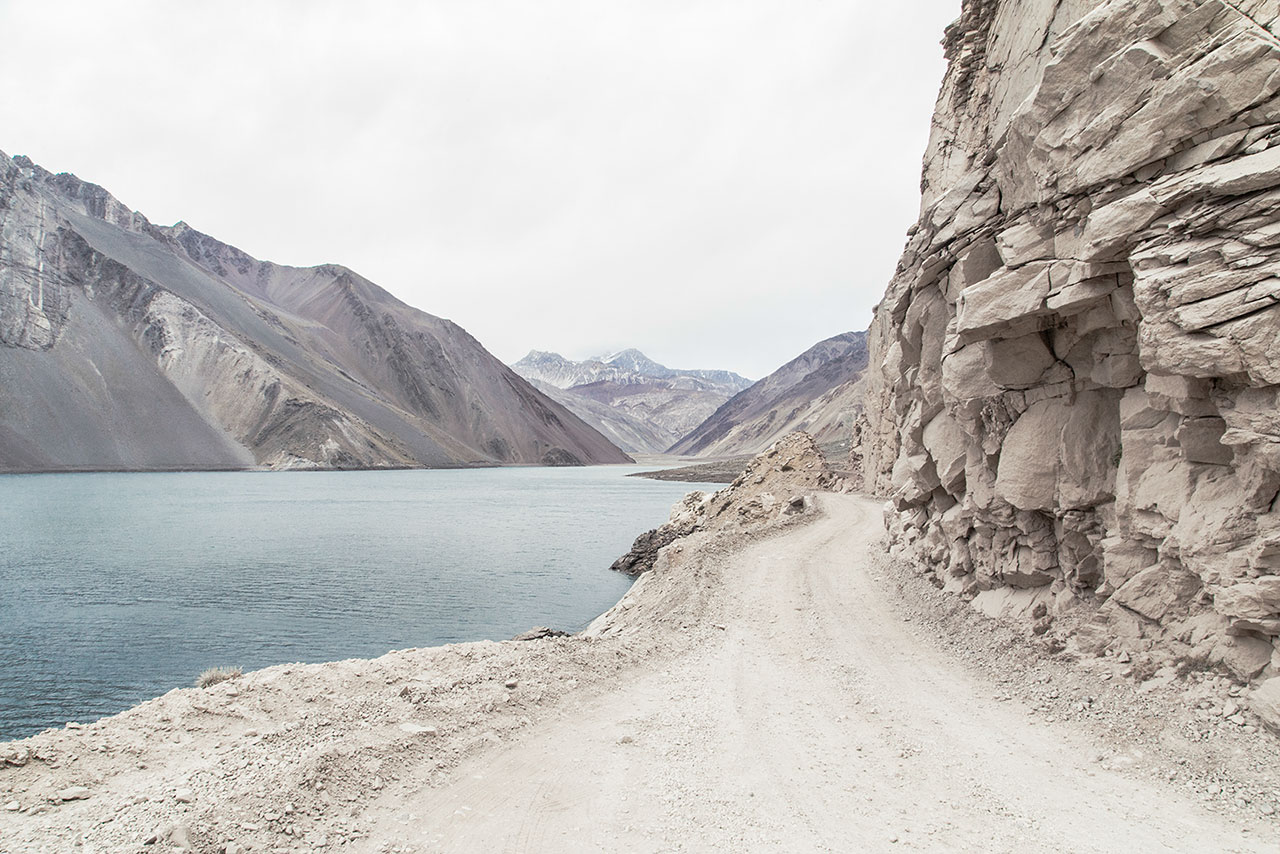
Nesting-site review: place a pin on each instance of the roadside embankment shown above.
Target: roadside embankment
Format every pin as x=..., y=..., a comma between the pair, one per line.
x=776, y=681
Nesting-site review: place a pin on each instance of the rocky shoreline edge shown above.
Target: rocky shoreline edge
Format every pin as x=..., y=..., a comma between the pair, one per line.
x=278, y=756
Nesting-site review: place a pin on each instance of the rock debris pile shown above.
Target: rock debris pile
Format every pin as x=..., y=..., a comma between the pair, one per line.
x=777, y=483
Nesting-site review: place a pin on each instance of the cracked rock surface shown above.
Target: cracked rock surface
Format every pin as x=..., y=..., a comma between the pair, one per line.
x=1076, y=368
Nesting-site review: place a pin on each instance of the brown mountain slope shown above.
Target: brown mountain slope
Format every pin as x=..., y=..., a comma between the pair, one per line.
x=125, y=345
x=817, y=392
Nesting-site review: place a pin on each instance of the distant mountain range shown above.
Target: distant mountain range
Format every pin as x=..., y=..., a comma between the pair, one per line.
x=646, y=407
x=818, y=392
x=126, y=345
x=641, y=405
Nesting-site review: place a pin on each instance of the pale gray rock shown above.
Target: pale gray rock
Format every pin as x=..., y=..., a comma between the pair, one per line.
x=1265, y=702
x=944, y=439
x=1246, y=656
x=1105, y=339
x=777, y=483
x=1252, y=605
x=1157, y=591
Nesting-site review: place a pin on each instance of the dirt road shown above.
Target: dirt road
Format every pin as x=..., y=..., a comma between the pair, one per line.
x=787, y=688
x=815, y=721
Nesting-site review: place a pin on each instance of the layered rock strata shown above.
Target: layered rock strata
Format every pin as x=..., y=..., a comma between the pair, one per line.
x=1076, y=387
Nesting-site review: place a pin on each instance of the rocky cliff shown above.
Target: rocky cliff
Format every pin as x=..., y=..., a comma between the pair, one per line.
x=125, y=345
x=1078, y=360
x=817, y=392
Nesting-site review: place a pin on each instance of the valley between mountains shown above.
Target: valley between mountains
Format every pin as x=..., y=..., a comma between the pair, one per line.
x=130, y=346
x=648, y=408
x=1035, y=607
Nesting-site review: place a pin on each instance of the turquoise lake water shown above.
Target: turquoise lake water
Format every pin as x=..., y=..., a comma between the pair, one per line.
x=115, y=588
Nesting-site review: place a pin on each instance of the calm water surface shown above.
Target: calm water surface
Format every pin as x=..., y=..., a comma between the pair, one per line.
x=115, y=588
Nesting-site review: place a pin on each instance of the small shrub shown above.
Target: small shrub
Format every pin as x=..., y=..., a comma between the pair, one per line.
x=1144, y=668
x=214, y=675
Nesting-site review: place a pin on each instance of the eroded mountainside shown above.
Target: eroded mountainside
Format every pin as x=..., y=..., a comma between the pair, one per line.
x=125, y=345
x=817, y=392
x=641, y=405
x=1077, y=364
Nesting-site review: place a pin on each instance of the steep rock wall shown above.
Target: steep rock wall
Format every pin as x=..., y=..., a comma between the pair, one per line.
x=1077, y=364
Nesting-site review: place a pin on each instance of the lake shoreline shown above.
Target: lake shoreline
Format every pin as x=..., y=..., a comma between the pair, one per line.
x=115, y=588
x=283, y=745
x=301, y=469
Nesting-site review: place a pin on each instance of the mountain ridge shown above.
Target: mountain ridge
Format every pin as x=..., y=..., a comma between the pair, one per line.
x=817, y=392
x=641, y=404
x=287, y=367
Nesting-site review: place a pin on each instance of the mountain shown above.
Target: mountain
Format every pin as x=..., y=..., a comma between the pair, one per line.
x=1076, y=393
x=126, y=345
x=634, y=362
x=817, y=392
x=558, y=372
x=630, y=432
x=641, y=405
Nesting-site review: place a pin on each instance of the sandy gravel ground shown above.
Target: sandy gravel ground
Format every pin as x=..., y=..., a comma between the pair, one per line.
x=788, y=691
x=816, y=720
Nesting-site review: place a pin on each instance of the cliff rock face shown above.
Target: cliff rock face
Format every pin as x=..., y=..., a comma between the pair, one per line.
x=817, y=392
x=125, y=345
x=1077, y=382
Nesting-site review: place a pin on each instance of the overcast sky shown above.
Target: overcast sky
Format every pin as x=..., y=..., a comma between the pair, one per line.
x=720, y=184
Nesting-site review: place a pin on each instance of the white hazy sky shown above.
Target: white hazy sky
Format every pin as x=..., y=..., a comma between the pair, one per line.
x=720, y=184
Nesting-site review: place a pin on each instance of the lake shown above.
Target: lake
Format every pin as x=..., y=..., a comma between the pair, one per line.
x=115, y=588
